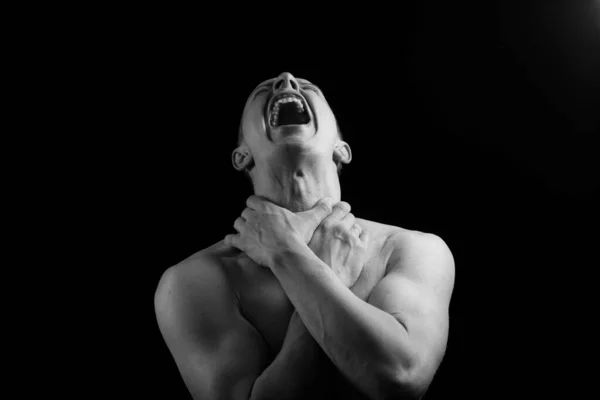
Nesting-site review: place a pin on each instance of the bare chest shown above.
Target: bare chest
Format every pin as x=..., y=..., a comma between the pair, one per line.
x=266, y=306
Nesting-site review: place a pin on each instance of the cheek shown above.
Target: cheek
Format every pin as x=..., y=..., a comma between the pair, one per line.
x=256, y=113
x=254, y=123
x=323, y=114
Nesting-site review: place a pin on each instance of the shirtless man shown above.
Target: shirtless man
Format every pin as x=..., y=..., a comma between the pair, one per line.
x=305, y=301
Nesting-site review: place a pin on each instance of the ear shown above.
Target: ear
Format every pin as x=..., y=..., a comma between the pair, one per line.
x=342, y=152
x=241, y=158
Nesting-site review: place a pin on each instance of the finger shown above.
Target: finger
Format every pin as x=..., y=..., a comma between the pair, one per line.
x=320, y=211
x=256, y=203
x=239, y=224
x=247, y=214
x=232, y=240
x=348, y=221
x=365, y=236
x=356, y=230
x=340, y=210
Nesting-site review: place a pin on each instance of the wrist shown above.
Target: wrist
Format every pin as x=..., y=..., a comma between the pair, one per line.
x=287, y=254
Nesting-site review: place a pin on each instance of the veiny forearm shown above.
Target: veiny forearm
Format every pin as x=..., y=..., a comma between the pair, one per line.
x=297, y=369
x=369, y=346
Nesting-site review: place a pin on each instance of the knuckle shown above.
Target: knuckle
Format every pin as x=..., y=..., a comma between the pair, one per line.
x=343, y=206
x=326, y=206
x=338, y=229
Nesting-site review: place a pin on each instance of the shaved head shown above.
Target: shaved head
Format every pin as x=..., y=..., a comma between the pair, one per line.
x=286, y=113
x=269, y=85
x=289, y=143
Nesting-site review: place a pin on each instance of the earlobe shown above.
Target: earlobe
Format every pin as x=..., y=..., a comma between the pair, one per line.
x=241, y=158
x=342, y=152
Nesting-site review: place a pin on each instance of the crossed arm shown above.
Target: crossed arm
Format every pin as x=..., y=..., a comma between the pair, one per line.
x=390, y=344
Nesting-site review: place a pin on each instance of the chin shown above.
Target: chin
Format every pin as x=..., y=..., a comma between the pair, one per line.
x=292, y=133
x=299, y=205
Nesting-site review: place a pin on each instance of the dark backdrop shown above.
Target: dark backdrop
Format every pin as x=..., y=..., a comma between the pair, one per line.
x=472, y=122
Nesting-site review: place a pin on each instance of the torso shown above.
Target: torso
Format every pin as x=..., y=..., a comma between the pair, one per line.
x=262, y=301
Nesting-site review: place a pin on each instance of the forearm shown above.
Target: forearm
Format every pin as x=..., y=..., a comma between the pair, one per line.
x=369, y=346
x=296, y=370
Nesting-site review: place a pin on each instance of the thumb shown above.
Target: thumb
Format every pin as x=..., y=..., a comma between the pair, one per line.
x=320, y=211
x=315, y=215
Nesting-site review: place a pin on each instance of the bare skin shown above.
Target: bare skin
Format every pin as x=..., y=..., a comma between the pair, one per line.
x=305, y=300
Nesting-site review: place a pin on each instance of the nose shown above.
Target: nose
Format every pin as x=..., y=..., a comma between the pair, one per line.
x=285, y=81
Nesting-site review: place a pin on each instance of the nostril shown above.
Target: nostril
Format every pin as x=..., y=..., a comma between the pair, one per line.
x=294, y=85
x=278, y=84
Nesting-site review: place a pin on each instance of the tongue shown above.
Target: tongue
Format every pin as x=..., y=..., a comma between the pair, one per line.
x=290, y=114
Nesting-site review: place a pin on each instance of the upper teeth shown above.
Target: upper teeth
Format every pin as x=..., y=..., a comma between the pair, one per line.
x=282, y=100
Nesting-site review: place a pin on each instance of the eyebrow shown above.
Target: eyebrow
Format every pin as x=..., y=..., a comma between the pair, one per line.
x=266, y=84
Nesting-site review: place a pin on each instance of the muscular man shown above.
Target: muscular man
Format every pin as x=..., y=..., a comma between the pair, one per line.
x=305, y=301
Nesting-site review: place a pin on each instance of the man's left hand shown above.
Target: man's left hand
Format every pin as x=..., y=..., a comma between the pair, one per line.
x=342, y=244
x=265, y=228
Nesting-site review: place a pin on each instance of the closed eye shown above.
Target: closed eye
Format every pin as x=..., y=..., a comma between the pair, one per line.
x=259, y=91
x=311, y=87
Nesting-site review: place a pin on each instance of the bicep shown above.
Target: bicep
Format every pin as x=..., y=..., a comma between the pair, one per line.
x=416, y=291
x=423, y=315
x=218, y=353
x=227, y=371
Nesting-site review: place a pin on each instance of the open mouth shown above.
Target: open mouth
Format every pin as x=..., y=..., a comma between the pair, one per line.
x=288, y=109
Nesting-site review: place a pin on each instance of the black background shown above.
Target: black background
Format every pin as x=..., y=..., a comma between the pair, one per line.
x=471, y=121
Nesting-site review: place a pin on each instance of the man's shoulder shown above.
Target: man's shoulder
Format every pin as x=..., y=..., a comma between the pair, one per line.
x=199, y=318
x=413, y=240
x=203, y=272
x=412, y=244
x=425, y=258
x=402, y=237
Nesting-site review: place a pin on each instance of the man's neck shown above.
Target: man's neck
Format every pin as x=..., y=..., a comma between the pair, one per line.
x=296, y=180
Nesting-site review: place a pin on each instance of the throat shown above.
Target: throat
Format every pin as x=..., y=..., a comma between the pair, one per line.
x=298, y=189
x=301, y=191
x=296, y=180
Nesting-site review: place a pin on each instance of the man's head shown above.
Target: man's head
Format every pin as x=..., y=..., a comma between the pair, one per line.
x=287, y=113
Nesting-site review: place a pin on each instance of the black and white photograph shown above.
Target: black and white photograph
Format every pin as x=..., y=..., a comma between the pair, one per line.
x=402, y=212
